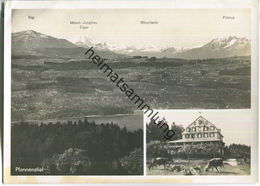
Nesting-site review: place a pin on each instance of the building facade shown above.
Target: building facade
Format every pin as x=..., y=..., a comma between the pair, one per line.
x=201, y=131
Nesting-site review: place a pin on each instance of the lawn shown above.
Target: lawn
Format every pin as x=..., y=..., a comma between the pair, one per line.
x=241, y=169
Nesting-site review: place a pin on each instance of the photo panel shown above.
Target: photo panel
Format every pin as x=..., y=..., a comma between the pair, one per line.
x=205, y=143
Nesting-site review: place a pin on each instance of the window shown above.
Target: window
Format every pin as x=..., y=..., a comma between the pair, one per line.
x=194, y=129
x=188, y=129
x=211, y=128
x=205, y=135
x=212, y=134
x=187, y=136
x=206, y=128
x=192, y=135
x=199, y=135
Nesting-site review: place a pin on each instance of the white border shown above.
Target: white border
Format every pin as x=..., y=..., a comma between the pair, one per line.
x=253, y=4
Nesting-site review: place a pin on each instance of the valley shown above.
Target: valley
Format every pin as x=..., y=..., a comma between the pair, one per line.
x=53, y=80
x=52, y=88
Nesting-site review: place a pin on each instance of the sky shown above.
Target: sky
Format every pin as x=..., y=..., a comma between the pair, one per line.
x=237, y=126
x=176, y=27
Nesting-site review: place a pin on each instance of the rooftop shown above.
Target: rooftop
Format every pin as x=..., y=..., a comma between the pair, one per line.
x=194, y=140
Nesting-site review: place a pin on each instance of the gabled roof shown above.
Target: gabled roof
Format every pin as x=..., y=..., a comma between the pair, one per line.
x=201, y=121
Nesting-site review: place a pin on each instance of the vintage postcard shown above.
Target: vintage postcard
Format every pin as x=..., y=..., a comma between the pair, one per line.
x=123, y=92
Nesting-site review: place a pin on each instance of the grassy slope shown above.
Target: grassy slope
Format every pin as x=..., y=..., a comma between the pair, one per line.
x=243, y=169
x=75, y=88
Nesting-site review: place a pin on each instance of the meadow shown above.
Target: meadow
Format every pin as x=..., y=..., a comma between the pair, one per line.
x=54, y=88
x=229, y=168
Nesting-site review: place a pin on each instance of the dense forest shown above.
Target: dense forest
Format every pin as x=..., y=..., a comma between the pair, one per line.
x=82, y=148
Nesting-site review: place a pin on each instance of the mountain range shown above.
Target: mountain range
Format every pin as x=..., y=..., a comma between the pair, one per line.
x=219, y=48
x=216, y=48
x=33, y=42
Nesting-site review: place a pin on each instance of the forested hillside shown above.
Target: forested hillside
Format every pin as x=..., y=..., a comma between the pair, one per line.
x=81, y=147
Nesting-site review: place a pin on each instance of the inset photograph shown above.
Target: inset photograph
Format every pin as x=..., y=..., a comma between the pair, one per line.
x=93, y=145
x=202, y=143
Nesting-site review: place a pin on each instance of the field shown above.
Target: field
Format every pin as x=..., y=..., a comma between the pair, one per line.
x=56, y=88
x=240, y=169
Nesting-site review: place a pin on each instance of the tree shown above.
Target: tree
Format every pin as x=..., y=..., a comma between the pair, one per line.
x=212, y=150
x=103, y=144
x=133, y=163
x=157, y=149
x=188, y=149
x=237, y=151
x=198, y=150
x=178, y=129
x=153, y=132
x=72, y=161
x=152, y=58
x=203, y=73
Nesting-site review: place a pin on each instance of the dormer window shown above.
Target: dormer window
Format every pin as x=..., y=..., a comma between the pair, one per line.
x=211, y=128
x=194, y=129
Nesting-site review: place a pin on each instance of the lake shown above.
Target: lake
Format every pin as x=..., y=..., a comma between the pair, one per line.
x=130, y=121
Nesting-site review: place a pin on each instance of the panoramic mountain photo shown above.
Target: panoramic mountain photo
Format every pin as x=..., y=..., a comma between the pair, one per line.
x=55, y=73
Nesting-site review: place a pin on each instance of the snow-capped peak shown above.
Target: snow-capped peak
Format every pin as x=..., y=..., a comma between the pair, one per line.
x=227, y=42
x=217, y=44
x=124, y=49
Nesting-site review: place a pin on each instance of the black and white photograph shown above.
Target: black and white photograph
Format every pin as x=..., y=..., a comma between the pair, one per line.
x=205, y=143
x=99, y=92
x=168, y=65
x=68, y=118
